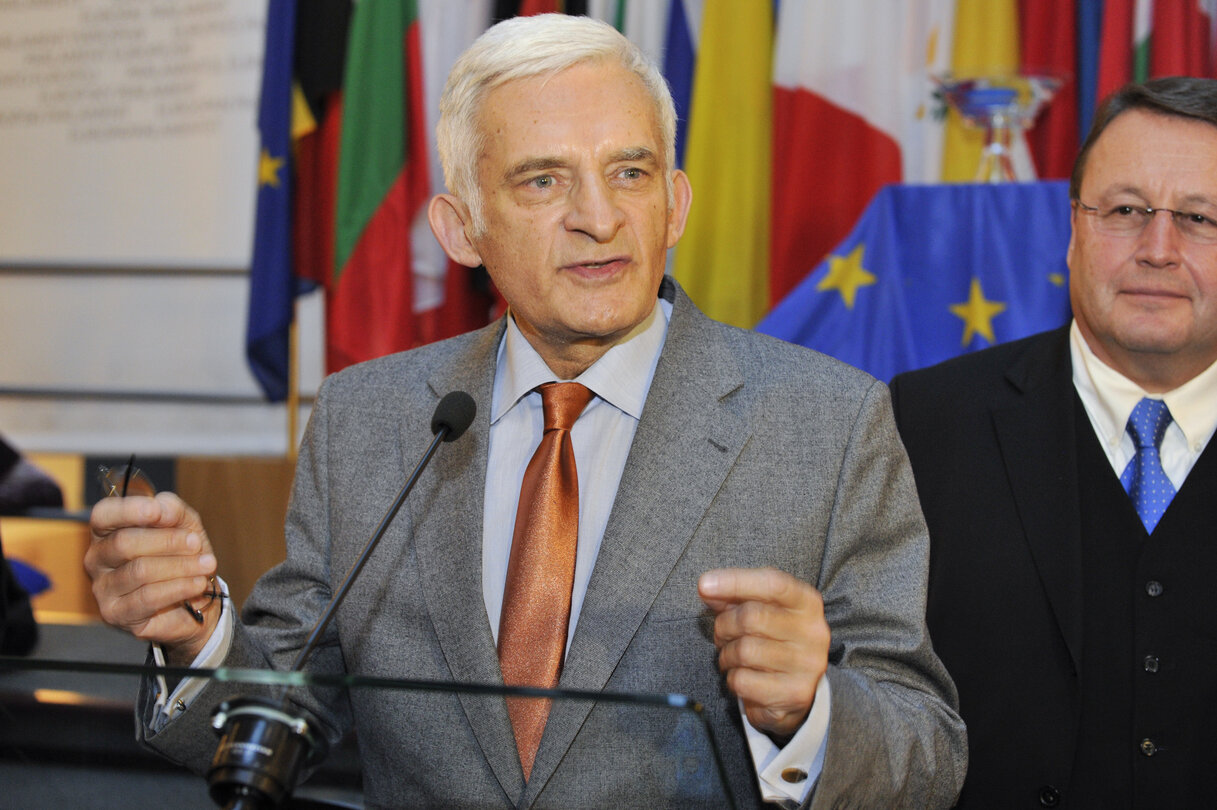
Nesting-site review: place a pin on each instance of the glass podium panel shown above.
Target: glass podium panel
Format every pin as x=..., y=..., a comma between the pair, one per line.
x=68, y=737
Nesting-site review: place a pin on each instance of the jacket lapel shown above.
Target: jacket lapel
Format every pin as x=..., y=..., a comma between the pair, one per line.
x=1038, y=441
x=686, y=433
x=448, y=539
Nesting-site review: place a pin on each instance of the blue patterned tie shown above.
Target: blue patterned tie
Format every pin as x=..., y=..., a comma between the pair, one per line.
x=1144, y=479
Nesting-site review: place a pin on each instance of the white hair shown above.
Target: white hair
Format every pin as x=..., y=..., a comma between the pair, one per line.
x=523, y=47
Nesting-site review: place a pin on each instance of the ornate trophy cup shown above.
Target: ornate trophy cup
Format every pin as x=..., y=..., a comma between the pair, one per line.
x=998, y=105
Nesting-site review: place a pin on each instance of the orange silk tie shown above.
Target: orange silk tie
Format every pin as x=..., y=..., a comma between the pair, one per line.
x=541, y=572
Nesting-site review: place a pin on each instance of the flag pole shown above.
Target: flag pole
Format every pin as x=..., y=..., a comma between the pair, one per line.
x=293, y=380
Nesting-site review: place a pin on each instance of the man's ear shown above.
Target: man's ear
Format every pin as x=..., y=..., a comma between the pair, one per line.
x=1073, y=237
x=450, y=222
x=682, y=199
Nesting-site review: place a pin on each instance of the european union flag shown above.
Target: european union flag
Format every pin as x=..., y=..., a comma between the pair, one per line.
x=931, y=272
x=272, y=284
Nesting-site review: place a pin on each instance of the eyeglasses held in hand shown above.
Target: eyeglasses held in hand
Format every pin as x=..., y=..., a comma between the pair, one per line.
x=127, y=479
x=1131, y=220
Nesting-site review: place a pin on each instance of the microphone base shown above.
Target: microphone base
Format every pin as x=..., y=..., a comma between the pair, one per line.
x=263, y=745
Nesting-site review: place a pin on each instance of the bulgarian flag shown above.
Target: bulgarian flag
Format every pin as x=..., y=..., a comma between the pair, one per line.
x=852, y=112
x=382, y=187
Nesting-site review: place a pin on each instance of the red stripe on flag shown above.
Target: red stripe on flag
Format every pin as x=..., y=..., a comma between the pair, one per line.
x=1115, y=47
x=1180, y=44
x=1048, y=29
x=370, y=312
x=316, y=196
x=529, y=8
x=465, y=307
x=832, y=162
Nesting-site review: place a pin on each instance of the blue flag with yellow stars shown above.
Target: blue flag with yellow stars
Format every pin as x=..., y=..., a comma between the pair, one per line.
x=273, y=285
x=931, y=272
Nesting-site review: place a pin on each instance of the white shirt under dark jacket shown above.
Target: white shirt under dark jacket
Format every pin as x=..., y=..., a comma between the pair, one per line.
x=1109, y=397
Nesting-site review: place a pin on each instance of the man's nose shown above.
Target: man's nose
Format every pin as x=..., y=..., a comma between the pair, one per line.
x=594, y=209
x=1159, y=243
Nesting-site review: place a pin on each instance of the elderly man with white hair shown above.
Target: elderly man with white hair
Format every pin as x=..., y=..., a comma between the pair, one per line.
x=647, y=501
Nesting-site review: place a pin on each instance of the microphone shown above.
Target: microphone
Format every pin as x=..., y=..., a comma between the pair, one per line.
x=265, y=741
x=453, y=415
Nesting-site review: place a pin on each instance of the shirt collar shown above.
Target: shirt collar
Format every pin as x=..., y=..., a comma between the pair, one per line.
x=1191, y=404
x=621, y=377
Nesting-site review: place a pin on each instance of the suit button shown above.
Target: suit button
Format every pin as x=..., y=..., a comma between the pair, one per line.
x=1153, y=588
x=1148, y=747
x=1049, y=796
x=1151, y=663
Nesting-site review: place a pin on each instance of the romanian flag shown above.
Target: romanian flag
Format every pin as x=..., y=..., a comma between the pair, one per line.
x=680, y=57
x=723, y=256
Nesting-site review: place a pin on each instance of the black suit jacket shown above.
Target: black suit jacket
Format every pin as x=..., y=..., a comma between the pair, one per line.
x=994, y=441
x=993, y=444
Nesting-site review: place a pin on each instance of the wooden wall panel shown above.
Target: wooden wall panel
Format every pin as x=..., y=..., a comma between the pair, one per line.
x=242, y=502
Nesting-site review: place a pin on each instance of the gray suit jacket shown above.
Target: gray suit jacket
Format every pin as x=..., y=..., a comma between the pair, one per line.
x=750, y=452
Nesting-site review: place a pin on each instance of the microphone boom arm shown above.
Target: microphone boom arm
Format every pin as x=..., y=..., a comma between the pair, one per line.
x=349, y=579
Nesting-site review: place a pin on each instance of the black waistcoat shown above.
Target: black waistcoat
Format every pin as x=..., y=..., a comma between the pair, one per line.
x=1148, y=733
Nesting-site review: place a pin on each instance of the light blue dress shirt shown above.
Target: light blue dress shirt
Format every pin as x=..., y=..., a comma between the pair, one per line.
x=602, y=437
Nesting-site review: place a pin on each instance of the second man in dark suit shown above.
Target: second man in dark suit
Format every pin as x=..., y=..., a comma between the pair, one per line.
x=1071, y=492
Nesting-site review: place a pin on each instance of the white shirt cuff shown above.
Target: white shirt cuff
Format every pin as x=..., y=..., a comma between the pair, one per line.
x=170, y=705
x=786, y=775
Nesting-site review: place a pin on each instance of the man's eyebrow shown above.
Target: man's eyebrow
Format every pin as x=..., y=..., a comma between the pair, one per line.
x=633, y=154
x=629, y=154
x=535, y=164
x=1193, y=199
x=1198, y=200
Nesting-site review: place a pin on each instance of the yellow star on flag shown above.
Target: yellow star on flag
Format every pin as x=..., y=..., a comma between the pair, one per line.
x=977, y=314
x=268, y=169
x=846, y=275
